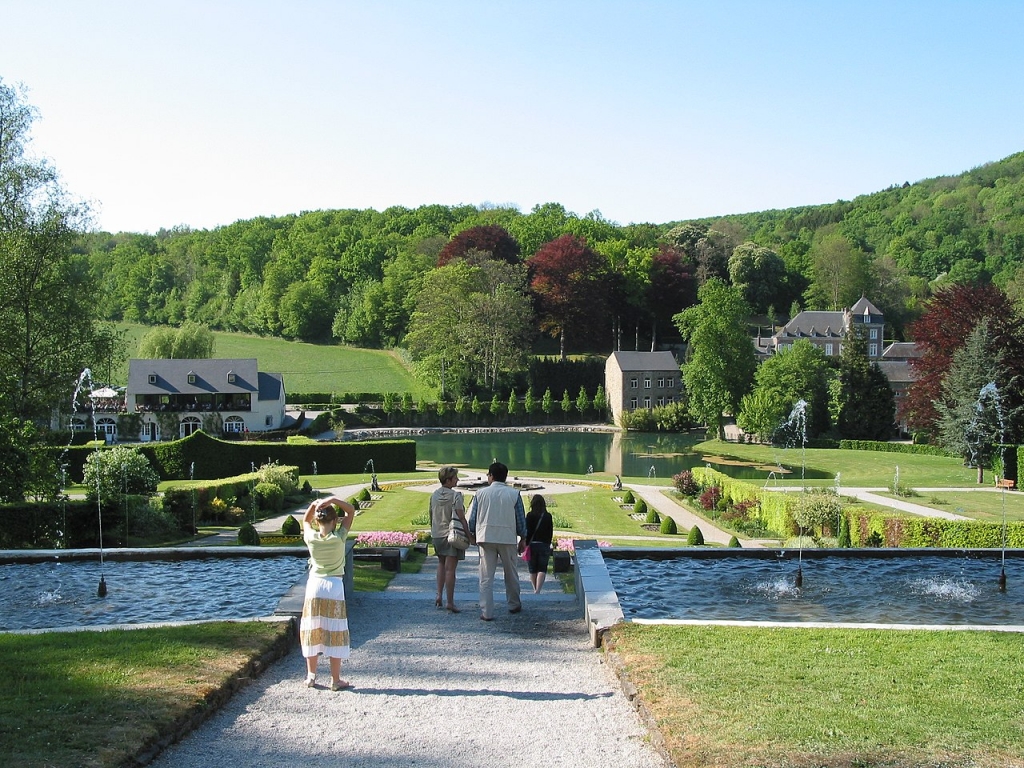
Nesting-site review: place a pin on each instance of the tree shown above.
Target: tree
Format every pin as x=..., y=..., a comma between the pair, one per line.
x=530, y=402
x=864, y=403
x=16, y=439
x=759, y=273
x=117, y=471
x=490, y=241
x=547, y=403
x=601, y=402
x=513, y=403
x=582, y=402
x=971, y=419
x=671, y=289
x=840, y=273
x=305, y=312
x=566, y=403
x=720, y=356
x=797, y=372
x=189, y=342
x=568, y=279
x=949, y=318
x=47, y=294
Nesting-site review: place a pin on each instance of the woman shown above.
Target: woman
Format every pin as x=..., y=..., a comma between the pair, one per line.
x=539, y=530
x=324, y=625
x=446, y=502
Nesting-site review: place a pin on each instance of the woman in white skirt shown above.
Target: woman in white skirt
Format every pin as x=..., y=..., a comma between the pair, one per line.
x=324, y=625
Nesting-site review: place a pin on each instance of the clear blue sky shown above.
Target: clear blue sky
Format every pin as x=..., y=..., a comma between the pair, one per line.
x=203, y=113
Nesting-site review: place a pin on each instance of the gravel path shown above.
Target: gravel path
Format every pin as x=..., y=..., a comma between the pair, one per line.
x=436, y=689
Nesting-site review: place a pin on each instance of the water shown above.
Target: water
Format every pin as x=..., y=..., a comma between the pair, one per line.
x=63, y=594
x=614, y=453
x=889, y=590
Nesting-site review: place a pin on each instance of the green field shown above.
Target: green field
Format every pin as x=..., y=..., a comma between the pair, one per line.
x=306, y=367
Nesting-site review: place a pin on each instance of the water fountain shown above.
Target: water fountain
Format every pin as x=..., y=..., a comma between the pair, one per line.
x=191, y=478
x=979, y=438
x=83, y=377
x=652, y=472
x=798, y=421
x=590, y=469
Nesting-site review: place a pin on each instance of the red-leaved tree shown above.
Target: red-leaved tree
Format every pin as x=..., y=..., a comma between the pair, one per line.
x=568, y=279
x=489, y=238
x=951, y=314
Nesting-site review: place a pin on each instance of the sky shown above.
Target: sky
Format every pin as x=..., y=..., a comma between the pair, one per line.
x=198, y=114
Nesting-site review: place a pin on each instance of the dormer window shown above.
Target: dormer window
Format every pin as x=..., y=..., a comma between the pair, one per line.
x=231, y=377
x=152, y=378
x=191, y=378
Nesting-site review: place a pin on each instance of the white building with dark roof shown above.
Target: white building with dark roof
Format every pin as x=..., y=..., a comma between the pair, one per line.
x=641, y=380
x=175, y=398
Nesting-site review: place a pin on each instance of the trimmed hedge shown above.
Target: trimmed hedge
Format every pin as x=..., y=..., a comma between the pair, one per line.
x=213, y=458
x=895, y=530
x=877, y=445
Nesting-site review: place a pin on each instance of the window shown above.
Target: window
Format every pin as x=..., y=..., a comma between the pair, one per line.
x=191, y=378
x=828, y=350
x=231, y=377
x=647, y=402
x=152, y=378
x=670, y=383
x=872, y=350
x=269, y=420
x=647, y=382
x=873, y=333
x=633, y=383
x=661, y=401
x=147, y=430
x=632, y=404
x=189, y=425
x=234, y=424
x=661, y=383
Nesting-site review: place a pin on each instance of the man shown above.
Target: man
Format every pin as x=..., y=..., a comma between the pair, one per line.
x=497, y=523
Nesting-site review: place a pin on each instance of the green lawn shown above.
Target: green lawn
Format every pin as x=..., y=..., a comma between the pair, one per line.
x=306, y=367
x=737, y=696
x=857, y=469
x=980, y=505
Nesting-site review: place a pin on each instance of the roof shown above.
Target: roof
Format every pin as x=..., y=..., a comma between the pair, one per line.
x=820, y=324
x=863, y=305
x=271, y=386
x=211, y=375
x=896, y=371
x=902, y=350
x=644, y=361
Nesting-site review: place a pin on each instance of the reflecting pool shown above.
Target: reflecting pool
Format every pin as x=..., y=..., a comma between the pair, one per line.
x=615, y=453
x=888, y=589
x=63, y=594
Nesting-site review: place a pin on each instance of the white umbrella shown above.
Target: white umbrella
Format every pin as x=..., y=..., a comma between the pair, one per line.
x=104, y=392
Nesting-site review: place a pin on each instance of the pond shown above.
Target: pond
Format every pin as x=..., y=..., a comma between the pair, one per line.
x=893, y=588
x=614, y=453
x=63, y=594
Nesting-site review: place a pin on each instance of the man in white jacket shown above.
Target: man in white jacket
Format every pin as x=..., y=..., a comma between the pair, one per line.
x=497, y=523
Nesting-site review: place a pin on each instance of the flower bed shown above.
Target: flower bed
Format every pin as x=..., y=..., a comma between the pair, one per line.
x=385, y=539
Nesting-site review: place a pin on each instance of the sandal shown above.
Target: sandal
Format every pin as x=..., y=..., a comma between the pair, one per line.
x=310, y=681
x=341, y=685
x=437, y=602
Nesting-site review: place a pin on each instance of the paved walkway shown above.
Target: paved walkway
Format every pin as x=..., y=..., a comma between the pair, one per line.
x=437, y=689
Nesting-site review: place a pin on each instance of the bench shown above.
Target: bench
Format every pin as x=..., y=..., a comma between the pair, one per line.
x=1005, y=483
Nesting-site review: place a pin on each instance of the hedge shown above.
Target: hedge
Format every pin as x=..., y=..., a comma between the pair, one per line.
x=30, y=525
x=212, y=458
x=896, y=530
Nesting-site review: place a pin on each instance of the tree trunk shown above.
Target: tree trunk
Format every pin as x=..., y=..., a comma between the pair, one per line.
x=981, y=474
x=561, y=344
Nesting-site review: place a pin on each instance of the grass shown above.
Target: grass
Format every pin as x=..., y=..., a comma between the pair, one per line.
x=737, y=696
x=97, y=699
x=858, y=469
x=982, y=505
x=306, y=367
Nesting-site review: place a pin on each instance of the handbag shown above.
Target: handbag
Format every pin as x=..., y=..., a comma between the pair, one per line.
x=525, y=554
x=458, y=536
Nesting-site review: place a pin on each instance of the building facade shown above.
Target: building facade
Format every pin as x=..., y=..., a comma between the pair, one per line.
x=640, y=380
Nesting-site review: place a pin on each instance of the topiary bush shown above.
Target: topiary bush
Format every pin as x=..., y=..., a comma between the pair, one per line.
x=653, y=516
x=695, y=538
x=628, y=498
x=291, y=526
x=734, y=543
x=363, y=495
x=640, y=507
x=268, y=496
x=668, y=526
x=248, y=536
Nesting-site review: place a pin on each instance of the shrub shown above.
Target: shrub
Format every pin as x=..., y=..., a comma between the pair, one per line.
x=268, y=496
x=285, y=478
x=363, y=495
x=652, y=516
x=710, y=498
x=291, y=526
x=640, y=507
x=668, y=526
x=628, y=498
x=695, y=538
x=843, y=539
x=686, y=484
x=248, y=536
x=734, y=543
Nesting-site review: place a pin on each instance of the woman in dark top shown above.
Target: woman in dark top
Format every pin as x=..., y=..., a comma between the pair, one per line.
x=539, y=530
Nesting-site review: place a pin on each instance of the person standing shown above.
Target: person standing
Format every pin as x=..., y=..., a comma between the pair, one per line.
x=323, y=628
x=540, y=529
x=446, y=503
x=497, y=523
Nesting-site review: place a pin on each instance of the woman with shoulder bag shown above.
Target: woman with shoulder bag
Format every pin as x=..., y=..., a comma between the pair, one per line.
x=445, y=504
x=539, y=532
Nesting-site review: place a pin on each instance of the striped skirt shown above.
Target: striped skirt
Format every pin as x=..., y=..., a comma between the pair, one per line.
x=324, y=624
